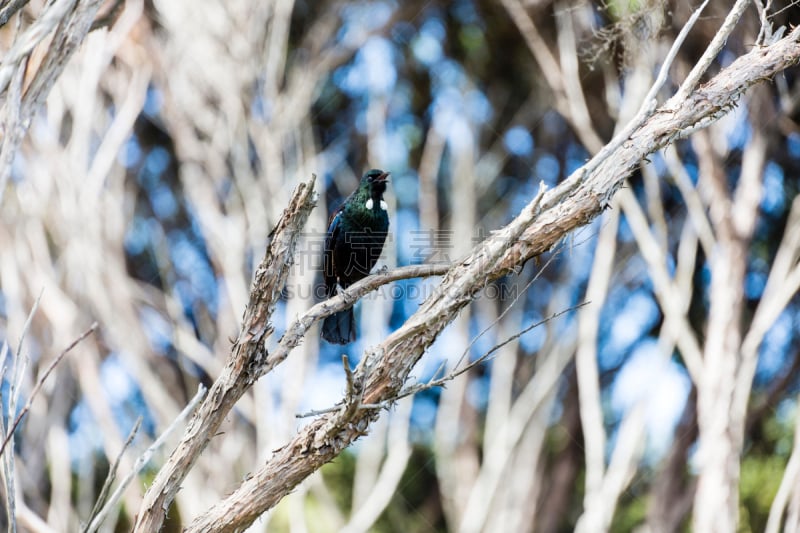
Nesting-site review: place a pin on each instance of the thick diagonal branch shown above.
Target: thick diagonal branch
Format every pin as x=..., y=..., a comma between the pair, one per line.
x=248, y=357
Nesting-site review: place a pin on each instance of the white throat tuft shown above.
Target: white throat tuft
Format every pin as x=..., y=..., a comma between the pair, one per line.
x=369, y=204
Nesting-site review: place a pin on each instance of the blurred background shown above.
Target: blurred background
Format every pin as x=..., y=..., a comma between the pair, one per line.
x=144, y=191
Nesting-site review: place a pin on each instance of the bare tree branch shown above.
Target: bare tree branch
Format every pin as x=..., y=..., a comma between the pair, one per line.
x=15, y=387
x=69, y=22
x=247, y=360
x=591, y=407
x=10, y=9
x=700, y=68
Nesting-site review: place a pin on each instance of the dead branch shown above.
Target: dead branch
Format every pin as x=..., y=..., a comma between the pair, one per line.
x=248, y=357
x=68, y=21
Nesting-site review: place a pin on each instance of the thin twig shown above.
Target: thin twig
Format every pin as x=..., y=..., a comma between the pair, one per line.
x=343, y=300
x=41, y=381
x=337, y=406
x=419, y=387
x=20, y=363
x=765, y=33
x=351, y=294
x=719, y=40
x=3, y=367
x=414, y=389
x=112, y=475
x=507, y=309
x=318, y=412
x=694, y=204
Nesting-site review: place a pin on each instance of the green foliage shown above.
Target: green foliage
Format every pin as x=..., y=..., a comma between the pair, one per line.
x=414, y=508
x=760, y=478
x=630, y=514
x=622, y=8
x=338, y=475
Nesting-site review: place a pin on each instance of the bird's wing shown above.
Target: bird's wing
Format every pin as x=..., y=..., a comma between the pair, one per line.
x=329, y=268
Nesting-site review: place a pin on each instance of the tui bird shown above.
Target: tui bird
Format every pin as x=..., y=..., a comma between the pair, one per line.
x=356, y=233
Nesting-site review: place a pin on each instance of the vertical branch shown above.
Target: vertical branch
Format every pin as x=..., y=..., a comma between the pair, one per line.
x=576, y=102
x=591, y=412
x=20, y=363
x=458, y=457
x=669, y=299
x=720, y=416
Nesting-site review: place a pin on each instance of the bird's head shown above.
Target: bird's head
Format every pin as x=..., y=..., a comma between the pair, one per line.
x=375, y=180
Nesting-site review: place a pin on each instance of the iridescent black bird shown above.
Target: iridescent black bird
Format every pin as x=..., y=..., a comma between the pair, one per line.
x=356, y=233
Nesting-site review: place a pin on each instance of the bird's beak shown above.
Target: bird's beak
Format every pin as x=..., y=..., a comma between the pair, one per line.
x=383, y=178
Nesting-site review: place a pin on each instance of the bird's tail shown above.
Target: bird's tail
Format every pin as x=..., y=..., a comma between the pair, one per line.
x=340, y=328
